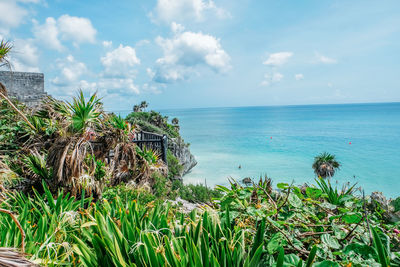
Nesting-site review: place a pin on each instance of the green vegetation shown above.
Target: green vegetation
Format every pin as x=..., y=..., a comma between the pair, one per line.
x=153, y=121
x=247, y=226
x=195, y=193
x=174, y=168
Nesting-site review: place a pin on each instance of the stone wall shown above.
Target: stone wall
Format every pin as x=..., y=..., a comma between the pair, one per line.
x=27, y=87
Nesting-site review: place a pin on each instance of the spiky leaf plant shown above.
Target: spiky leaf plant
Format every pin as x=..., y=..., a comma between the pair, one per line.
x=84, y=113
x=36, y=164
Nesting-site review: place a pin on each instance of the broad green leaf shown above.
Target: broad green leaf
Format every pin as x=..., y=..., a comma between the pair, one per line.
x=351, y=218
x=275, y=243
x=313, y=193
x=326, y=263
x=282, y=185
x=295, y=201
x=330, y=241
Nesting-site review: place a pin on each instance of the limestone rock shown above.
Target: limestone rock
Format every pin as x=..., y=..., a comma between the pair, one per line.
x=182, y=152
x=185, y=206
x=377, y=198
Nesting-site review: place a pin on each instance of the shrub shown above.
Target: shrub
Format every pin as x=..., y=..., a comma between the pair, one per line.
x=195, y=193
x=128, y=194
x=174, y=167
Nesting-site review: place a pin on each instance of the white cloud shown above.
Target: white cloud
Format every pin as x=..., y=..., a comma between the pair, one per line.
x=120, y=62
x=324, y=59
x=17, y=65
x=70, y=72
x=25, y=56
x=149, y=88
x=176, y=27
x=278, y=59
x=272, y=78
x=181, y=10
x=187, y=50
x=150, y=72
x=75, y=29
x=142, y=43
x=29, y=1
x=119, y=71
x=107, y=44
x=299, y=77
x=11, y=16
x=121, y=86
x=47, y=33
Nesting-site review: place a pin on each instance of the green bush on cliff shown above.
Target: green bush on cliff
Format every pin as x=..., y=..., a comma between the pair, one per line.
x=174, y=167
x=153, y=121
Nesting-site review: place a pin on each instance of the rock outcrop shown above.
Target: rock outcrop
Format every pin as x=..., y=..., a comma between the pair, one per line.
x=379, y=200
x=181, y=151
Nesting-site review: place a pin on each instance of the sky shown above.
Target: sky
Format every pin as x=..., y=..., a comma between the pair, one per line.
x=203, y=53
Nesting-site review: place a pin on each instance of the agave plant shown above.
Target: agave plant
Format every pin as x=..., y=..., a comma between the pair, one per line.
x=325, y=165
x=84, y=113
x=333, y=195
x=150, y=155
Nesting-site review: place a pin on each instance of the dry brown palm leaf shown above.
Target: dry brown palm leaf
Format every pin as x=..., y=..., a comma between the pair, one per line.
x=9, y=257
x=3, y=90
x=124, y=163
x=69, y=158
x=57, y=158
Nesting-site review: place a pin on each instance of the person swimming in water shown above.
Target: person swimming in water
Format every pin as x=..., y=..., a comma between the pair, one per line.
x=240, y=166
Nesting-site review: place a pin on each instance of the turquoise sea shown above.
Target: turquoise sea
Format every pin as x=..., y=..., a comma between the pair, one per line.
x=281, y=141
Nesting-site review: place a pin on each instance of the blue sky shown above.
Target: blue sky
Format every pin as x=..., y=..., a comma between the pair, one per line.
x=201, y=53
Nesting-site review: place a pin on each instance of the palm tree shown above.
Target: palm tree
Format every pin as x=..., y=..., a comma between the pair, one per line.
x=325, y=165
x=136, y=108
x=175, y=121
x=143, y=105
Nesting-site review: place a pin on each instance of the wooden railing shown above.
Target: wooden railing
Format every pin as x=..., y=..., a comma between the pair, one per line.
x=156, y=142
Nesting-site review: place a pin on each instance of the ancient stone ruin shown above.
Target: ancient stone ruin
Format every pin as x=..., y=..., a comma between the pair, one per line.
x=27, y=87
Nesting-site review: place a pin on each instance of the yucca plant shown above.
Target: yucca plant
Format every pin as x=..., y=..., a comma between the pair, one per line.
x=84, y=113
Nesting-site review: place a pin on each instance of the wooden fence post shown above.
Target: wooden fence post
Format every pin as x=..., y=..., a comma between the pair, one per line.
x=164, y=148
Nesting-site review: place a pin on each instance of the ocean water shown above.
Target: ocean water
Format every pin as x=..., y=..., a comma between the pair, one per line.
x=282, y=142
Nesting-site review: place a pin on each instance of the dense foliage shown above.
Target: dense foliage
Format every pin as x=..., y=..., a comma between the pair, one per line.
x=67, y=144
x=153, y=121
x=248, y=226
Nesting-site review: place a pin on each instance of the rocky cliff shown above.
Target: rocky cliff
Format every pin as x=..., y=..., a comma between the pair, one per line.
x=181, y=151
